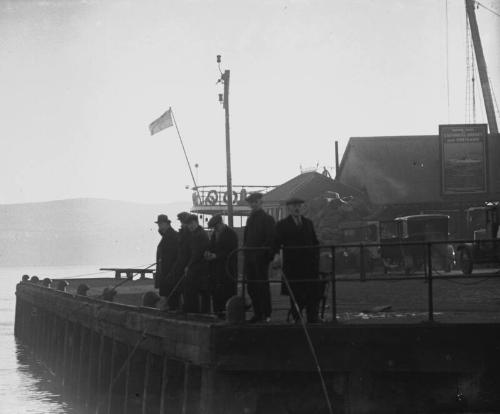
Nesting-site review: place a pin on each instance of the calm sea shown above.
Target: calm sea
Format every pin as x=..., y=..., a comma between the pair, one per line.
x=26, y=386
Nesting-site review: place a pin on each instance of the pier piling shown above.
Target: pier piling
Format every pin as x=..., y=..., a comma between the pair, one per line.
x=197, y=365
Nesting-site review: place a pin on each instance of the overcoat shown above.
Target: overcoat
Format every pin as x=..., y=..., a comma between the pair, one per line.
x=259, y=232
x=166, y=255
x=183, y=257
x=197, y=267
x=222, y=245
x=298, y=263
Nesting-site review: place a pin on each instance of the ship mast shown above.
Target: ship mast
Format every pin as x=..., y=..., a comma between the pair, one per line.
x=481, y=66
x=225, y=103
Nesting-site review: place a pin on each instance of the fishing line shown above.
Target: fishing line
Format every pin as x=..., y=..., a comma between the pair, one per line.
x=309, y=342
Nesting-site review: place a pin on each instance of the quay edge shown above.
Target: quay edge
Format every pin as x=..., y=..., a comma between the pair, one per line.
x=112, y=357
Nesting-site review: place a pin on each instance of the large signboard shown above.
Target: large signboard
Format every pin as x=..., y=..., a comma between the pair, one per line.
x=463, y=158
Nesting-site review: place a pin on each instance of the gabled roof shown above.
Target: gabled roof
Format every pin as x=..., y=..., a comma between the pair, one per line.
x=400, y=169
x=307, y=186
x=403, y=169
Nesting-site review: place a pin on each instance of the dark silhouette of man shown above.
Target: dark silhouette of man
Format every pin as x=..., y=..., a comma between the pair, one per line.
x=196, y=295
x=223, y=263
x=166, y=255
x=299, y=263
x=258, y=237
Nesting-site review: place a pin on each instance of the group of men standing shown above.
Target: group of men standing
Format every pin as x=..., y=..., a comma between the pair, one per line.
x=194, y=267
x=204, y=271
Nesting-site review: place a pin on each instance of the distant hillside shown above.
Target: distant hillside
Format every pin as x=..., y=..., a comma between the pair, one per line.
x=81, y=231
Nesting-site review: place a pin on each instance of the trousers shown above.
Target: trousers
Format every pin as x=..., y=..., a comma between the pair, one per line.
x=256, y=273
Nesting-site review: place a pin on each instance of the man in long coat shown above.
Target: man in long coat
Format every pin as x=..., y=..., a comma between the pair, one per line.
x=166, y=255
x=223, y=263
x=297, y=230
x=177, y=271
x=258, y=233
x=196, y=294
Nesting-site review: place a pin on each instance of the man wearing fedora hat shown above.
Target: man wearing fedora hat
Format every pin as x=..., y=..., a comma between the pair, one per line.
x=166, y=255
x=299, y=263
x=258, y=238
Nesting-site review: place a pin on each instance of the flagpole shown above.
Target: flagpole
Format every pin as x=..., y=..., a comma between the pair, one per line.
x=185, y=154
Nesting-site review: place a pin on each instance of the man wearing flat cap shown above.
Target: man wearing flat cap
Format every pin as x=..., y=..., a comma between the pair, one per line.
x=258, y=238
x=166, y=255
x=299, y=264
x=195, y=289
x=223, y=263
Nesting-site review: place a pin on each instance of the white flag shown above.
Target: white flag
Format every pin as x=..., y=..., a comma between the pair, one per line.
x=162, y=122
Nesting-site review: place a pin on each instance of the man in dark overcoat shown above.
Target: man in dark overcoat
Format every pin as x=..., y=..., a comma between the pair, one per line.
x=196, y=294
x=298, y=264
x=176, y=274
x=166, y=254
x=223, y=263
x=258, y=233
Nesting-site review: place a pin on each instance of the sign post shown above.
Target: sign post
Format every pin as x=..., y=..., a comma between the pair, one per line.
x=463, y=159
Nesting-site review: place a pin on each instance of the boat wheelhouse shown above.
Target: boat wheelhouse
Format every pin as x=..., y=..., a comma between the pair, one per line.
x=209, y=200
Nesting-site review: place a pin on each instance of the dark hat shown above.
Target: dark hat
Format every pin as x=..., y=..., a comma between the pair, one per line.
x=46, y=282
x=214, y=221
x=254, y=197
x=191, y=217
x=182, y=216
x=294, y=200
x=34, y=279
x=162, y=218
x=25, y=278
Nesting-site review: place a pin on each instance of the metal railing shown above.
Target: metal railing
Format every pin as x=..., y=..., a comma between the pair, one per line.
x=425, y=268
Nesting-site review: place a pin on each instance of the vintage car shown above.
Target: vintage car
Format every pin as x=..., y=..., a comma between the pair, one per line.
x=351, y=236
x=483, y=227
x=399, y=252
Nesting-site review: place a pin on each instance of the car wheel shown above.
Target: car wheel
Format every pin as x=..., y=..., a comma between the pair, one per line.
x=466, y=263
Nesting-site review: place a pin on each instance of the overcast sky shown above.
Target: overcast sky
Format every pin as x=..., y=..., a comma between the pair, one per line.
x=80, y=81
